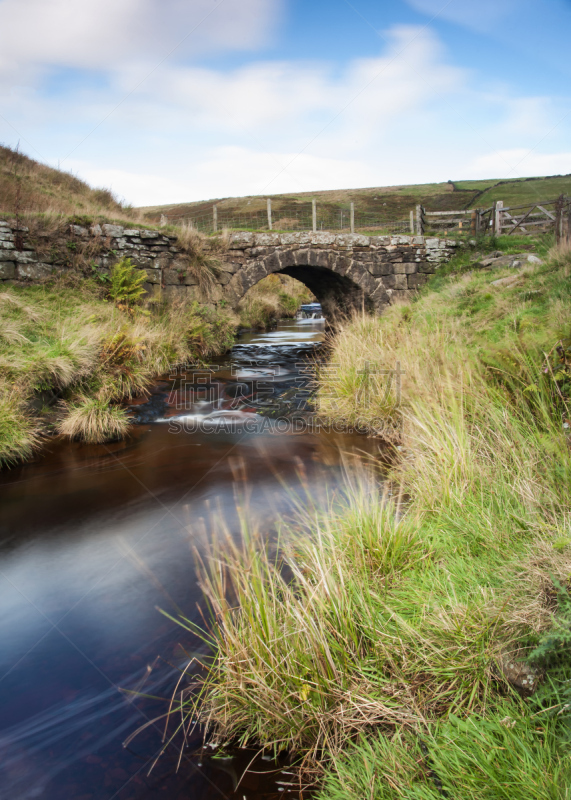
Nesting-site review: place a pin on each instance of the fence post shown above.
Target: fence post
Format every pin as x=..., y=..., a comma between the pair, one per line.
x=215, y=218
x=412, y=221
x=559, y=218
x=419, y=221
x=163, y=221
x=269, y=213
x=314, y=215
x=473, y=222
x=497, y=228
x=352, y=217
x=568, y=201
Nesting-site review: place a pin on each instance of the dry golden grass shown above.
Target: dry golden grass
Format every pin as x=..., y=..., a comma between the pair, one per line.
x=26, y=186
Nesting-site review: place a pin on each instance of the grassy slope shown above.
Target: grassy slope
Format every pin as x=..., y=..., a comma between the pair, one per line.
x=394, y=202
x=379, y=653
x=28, y=186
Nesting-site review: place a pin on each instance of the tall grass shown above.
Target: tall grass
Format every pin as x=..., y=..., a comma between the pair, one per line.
x=393, y=616
x=87, y=355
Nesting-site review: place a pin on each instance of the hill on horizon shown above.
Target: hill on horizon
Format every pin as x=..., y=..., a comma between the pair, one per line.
x=388, y=202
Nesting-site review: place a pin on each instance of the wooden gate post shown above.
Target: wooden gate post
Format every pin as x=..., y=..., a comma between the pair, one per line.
x=473, y=222
x=352, y=217
x=314, y=215
x=419, y=221
x=498, y=205
x=215, y=218
x=559, y=218
x=412, y=221
x=269, y=213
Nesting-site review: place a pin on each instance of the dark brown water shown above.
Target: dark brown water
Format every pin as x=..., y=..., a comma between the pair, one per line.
x=95, y=539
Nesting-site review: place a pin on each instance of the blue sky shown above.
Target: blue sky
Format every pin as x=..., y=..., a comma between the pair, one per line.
x=195, y=99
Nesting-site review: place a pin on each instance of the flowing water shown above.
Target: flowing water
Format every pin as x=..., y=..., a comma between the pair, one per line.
x=94, y=540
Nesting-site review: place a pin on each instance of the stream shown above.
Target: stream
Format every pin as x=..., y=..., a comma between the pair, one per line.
x=95, y=539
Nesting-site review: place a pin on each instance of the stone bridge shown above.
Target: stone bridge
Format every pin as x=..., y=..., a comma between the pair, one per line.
x=344, y=271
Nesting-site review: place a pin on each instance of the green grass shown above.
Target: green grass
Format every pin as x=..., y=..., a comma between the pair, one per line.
x=372, y=644
x=86, y=355
x=506, y=755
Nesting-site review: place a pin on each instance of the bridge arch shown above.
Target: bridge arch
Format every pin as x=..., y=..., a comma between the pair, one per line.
x=339, y=282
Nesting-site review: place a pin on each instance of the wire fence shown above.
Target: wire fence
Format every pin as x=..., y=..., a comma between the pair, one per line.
x=307, y=218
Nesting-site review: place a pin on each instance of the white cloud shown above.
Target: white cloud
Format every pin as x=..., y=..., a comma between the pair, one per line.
x=228, y=171
x=519, y=163
x=370, y=90
x=103, y=34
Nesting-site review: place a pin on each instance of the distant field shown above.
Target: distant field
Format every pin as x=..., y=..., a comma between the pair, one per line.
x=388, y=202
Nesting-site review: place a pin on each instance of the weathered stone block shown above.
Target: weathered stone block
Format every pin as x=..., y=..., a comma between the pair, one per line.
x=401, y=240
x=6, y=236
x=417, y=280
x=7, y=270
x=379, y=267
x=350, y=240
x=153, y=275
x=341, y=263
x=255, y=272
x=426, y=266
x=406, y=268
x=96, y=230
x=322, y=239
x=7, y=245
x=170, y=277
x=24, y=256
x=266, y=239
x=380, y=296
x=430, y=244
x=34, y=272
x=300, y=257
x=130, y=232
x=286, y=257
x=228, y=266
x=113, y=230
x=395, y=281
x=77, y=230
x=145, y=234
x=295, y=238
x=240, y=240
x=318, y=258
x=272, y=262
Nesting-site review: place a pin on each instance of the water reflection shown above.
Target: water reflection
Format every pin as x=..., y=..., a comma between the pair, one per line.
x=93, y=540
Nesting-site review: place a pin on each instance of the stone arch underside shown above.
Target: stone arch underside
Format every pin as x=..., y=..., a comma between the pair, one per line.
x=339, y=282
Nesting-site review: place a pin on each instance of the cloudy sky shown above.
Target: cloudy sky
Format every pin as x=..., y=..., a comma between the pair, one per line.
x=173, y=100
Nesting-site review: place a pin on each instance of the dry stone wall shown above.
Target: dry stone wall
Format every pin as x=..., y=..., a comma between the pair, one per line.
x=343, y=270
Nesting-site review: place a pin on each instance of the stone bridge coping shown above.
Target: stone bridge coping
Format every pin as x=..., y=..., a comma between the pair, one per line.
x=241, y=240
x=345, y=241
